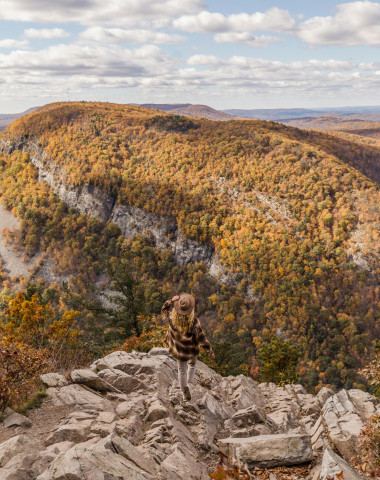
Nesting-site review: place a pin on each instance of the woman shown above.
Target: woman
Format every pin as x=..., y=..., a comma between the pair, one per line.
x=184, y=338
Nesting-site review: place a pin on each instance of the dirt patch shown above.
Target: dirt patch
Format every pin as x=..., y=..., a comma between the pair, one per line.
x=45, y=420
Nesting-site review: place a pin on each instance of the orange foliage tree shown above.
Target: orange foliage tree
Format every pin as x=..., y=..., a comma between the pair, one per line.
x=20, y=364
x=369, y=438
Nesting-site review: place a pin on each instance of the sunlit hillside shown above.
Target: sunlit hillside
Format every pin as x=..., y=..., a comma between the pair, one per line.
x=293, y=214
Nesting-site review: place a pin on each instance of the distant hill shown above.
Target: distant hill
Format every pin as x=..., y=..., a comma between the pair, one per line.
x=286, y=114
x=273, y=114
x=200, y=111
x=7, y=118
x=355, y=126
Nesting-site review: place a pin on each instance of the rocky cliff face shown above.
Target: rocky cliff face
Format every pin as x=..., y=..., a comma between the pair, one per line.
x=124, y=418
x=131, y=220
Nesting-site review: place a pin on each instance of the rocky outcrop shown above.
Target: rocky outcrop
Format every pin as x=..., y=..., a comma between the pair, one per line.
x=333, y=464
x=342, y=417
x=126, y=419
x=132, y=220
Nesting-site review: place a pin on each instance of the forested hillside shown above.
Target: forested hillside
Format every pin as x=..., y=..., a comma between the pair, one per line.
x=294, y=215
x=364, y=128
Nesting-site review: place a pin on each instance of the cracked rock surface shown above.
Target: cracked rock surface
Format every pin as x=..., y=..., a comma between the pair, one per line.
x=124, y=418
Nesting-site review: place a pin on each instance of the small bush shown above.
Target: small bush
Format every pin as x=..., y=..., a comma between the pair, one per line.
x=20, y=365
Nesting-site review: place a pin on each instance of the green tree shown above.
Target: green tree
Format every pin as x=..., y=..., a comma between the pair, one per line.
x=230, y=358
x=119, y=307
x=278, y=361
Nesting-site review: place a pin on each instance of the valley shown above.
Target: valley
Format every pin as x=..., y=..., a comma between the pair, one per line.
x=274, y=229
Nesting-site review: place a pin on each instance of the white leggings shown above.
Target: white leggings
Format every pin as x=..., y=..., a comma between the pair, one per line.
x=186, y=372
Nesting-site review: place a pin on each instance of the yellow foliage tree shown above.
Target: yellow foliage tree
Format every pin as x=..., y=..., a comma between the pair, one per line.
x=38, y=325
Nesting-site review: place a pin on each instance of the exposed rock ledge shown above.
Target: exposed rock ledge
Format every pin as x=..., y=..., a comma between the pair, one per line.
x=126, y=420
x=90, y=200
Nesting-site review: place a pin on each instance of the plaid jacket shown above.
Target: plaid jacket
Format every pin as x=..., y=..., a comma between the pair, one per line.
x=186, y=347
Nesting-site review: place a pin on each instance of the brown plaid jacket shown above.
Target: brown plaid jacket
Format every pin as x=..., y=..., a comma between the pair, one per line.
x=186, y=347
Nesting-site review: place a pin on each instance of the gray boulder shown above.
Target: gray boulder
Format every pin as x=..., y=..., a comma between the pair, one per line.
x=333, y=464
x=269, y=450
x=344, y=415
x=124, y=447
x=156, y=411
x=134, y=406
x=122, y=381
x=131, y=428
x=71, y=432
x=14, y=420
x=88, y=377
x=54, y=380
x=324, y=394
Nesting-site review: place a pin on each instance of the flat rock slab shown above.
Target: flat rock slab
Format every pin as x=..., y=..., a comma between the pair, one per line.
x=124, y=447
x=15, y=446
x=54, y=380
x=88, y=377
x=159, y=351
x=78, y=395
x=17, y=420
x=269, y=450
x=333, y=464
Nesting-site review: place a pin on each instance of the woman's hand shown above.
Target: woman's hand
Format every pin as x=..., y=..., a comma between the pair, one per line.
x=167, y=305
x=212, y=356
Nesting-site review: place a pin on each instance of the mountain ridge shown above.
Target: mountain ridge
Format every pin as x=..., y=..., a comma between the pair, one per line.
x=124, y=415
x=245, y=176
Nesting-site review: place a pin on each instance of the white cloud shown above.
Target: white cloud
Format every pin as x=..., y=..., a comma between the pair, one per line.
x=270, y=65
x=79, y=69
x=12, y=43
x=247, y=76
x=46, y=33
x=97, y=12
x=355, y=23
x=118, y=35
x=246, y=38
x=274, y=19
x=91, y=61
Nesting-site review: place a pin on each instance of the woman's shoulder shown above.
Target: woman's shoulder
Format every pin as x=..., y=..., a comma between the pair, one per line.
x=196, y=322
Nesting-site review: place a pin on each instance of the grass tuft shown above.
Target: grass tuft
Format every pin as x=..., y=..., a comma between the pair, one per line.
x=34, y=401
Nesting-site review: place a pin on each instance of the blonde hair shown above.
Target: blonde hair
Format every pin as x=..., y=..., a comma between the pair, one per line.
x=182, y=323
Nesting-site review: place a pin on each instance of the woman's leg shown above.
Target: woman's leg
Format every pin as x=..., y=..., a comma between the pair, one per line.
x=182, y=374
x=191, y=371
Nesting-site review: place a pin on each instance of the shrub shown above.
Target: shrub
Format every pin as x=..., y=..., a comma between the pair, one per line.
x=369, y=443
x=278, y=361
x=20, y=364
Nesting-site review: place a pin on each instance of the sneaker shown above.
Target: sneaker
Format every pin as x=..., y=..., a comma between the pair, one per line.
x=187, y=394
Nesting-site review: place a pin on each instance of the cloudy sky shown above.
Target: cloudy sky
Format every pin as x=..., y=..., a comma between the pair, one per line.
x=227, y=54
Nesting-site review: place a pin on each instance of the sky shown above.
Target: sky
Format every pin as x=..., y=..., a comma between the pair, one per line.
x=226, y=54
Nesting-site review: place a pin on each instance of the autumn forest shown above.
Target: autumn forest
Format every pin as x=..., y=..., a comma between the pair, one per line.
x=292, y=215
